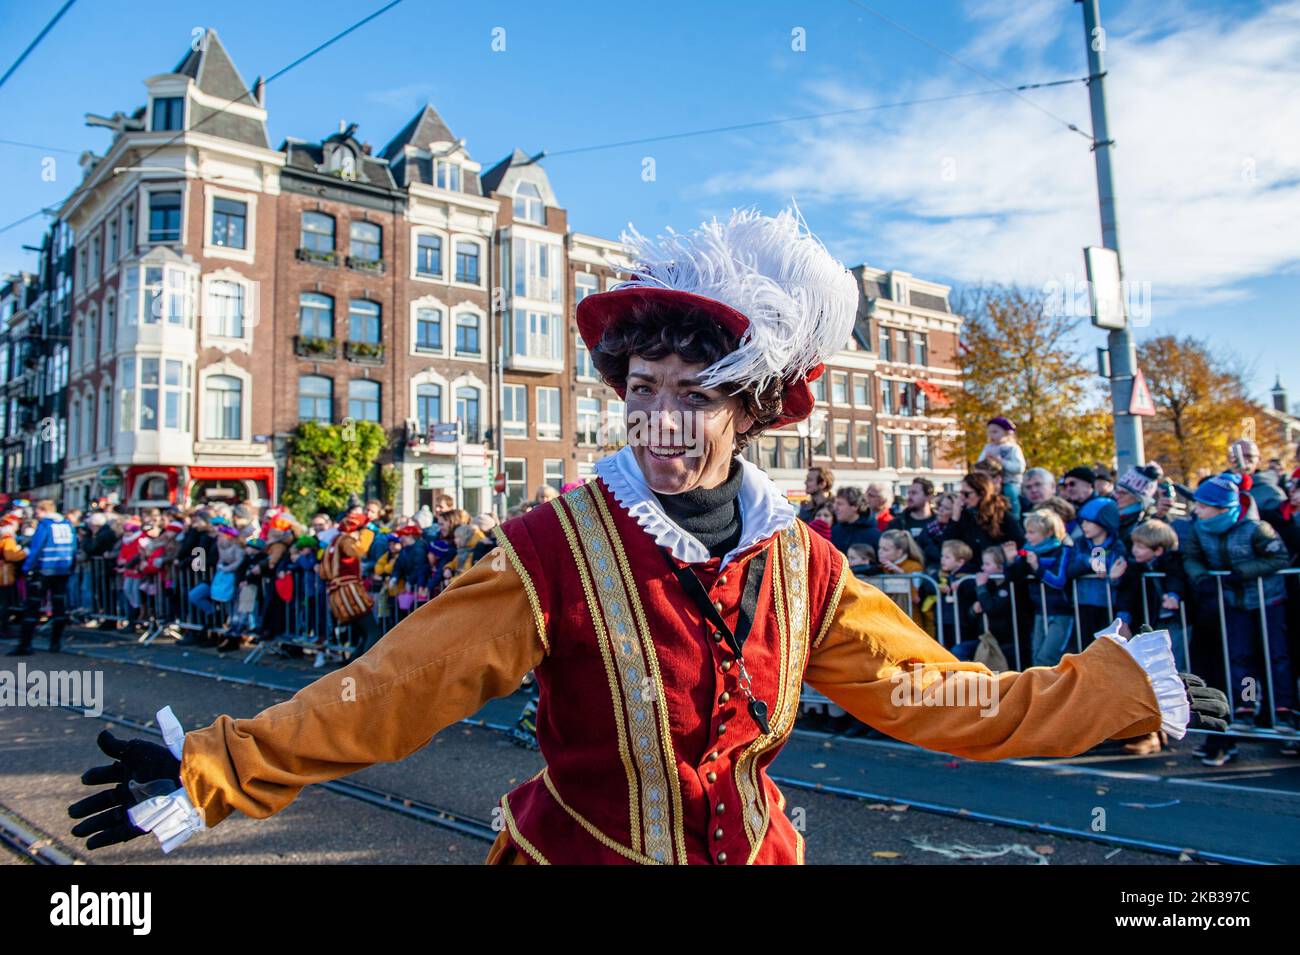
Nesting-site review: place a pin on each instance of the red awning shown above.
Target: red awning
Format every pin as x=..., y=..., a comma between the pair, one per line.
x=209, y=473
x=933, y=392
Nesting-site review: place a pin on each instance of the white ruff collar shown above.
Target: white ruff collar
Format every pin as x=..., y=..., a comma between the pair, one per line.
x=764, y=510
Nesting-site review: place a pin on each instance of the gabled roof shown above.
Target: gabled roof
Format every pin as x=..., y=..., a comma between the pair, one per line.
x=491, y=179
x=212, y=69
x=424, y=128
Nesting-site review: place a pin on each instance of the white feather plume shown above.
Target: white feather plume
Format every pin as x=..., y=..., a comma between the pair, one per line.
x=801, y=303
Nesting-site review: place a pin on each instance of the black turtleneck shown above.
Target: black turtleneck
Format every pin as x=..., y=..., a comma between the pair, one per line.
x=710, y=515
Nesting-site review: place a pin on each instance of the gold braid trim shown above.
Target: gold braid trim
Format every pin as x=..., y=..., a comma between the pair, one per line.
x=615, y=695
x=518, y=836
x=833, y=604
x=533, y=600
x=595, y=833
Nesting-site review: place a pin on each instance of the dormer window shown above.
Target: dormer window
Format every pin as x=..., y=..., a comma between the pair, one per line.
x=446, y=175
x=343, y=162
x=528, y=203
x=168, y=113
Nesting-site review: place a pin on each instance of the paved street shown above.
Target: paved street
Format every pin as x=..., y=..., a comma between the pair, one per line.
x=861, y=801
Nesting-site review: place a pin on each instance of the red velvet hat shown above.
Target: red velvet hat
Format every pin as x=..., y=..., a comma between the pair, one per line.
x=767, y=280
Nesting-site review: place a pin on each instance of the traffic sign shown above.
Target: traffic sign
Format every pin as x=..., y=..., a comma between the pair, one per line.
x=1140, y=403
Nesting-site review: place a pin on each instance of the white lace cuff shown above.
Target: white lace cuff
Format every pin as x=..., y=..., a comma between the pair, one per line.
x=1154, y=653
x=172, y=818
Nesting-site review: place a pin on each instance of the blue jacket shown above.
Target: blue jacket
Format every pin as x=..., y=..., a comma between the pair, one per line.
x=1093, y=592
x=1053, y=567
x=53, y=549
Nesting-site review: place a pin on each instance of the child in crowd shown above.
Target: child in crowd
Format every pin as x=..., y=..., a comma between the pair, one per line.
x=822, y=522
x=1047, y=555
x=11, y=554
x=1004, y=448
x=1096, y=566
x=993, y=599
x=384, y=584
x=953, y=561
x=1156, y=601
x=900, y=554
x=863, y=562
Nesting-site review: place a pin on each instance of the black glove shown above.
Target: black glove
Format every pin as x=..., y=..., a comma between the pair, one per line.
x=141, y=771
x=1209, y=706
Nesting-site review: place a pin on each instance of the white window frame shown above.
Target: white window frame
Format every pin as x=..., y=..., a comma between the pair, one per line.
x=523, y=463
x=591, y=412
x=249, y=199
x=146, y=195
x=547, y=477
x=430, y=377
x=429, y=301
x=226, y=367
x=243, y=343
x=450, y=263
x=843, y=377
x=448, y=256
x=548, y=430
x=453, y=318
x=470, y=380
x=521, y=430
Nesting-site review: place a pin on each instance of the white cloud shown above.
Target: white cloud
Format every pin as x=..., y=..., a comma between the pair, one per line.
x=1207, y=121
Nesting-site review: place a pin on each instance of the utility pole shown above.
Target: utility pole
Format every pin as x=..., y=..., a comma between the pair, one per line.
x=1129, y=445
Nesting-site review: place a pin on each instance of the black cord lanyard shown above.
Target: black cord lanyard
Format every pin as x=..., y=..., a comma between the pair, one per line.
x=736, y=641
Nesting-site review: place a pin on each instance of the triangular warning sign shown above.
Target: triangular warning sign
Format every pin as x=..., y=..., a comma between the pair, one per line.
x=1140, y=403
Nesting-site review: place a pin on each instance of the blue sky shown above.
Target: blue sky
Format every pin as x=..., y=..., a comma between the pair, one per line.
x=982, y=187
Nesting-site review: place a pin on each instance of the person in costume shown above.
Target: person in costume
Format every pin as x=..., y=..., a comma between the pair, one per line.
x=671, y=610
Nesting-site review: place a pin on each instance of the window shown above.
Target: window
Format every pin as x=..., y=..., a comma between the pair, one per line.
x=554, y=472
x=841, y=435
x=821, y=439
x=105, y=416
x=909, y=450
x=428, y=255
x=366, y=241
x=92, y=337
x=164, y=217
x=616, y=422
x=900, y=345
x=920, y=348
x=862, y=391
x=537, y=272
x=588, y=420
x=467, y=262
x=223, y=408
x=160, y=300
x=862, y=444
x=168, y=113
x=584, y=284
x=839, y=388
x=528, y=203
x=225, y=309
x=95, y=262
x=363, y=322
x=229, y=223
x=886, y=345
x=315, y=315
x=428, y=329
x=176, y=396
x=428, y=405
x=315, y=398
x=583, y=366
x=317, y=232
x=363, y=400
x=905, y=391
x=790, y=452
x=467, y=335
x=516, y=470
x=112, y=232
x=127, y=404
x=548, y=412
x=514, y=411
x=536, y=335
x=924, y=456
x=447, y=175
x=128, y=229
x=891, y=449
x=467, y=412
x=818, y=388
x=886, y=396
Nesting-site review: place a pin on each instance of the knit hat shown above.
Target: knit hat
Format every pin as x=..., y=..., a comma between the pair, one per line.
x=1103, y=473
x=1102, y=511
x=766, y=280
x=306, y=540
x=1222, y=490
x=1003, y=423
x=1139, y=482
x=174, y=527
x=1086, y=475
x=484, y=522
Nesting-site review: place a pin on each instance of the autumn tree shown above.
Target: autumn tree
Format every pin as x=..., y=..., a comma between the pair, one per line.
x=1022, y=362
x=1202, y=404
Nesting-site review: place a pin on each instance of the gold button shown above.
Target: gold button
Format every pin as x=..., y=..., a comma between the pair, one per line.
x=722, y=581
x=722, y=857
x=717, y=636
x=712, y=756
x=721, y=808
x=718, y=833
x=722, y=728
x=725, y=696
x=717, y=605
x=726, y=665
x=711, y=777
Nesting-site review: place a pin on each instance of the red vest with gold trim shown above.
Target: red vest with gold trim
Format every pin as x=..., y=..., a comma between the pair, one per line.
x=652, y=756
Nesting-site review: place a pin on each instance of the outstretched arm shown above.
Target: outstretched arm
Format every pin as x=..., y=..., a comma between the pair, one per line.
x=473, y=642
x=877, y=664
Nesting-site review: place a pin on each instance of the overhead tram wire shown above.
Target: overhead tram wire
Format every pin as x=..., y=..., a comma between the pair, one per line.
x=1015, y=91
x=757, y=124
x=242, y=97
x=36, y=42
